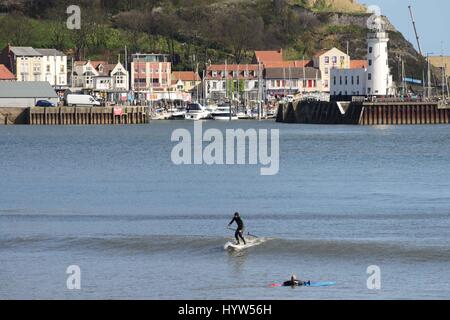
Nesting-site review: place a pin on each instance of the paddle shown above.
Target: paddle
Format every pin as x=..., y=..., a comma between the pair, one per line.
x=248, y=233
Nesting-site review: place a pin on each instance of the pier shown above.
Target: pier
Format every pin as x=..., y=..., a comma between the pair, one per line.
x=365, y=113
x=74, y=116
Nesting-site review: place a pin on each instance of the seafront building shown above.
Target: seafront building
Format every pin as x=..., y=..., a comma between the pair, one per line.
x=30, y=64
x=102, y=79
x=151, y=76
x=233, y=82
x=186, y=81
x=22, y=94
x=286, y=81
x=54, y=64
x=327, y=60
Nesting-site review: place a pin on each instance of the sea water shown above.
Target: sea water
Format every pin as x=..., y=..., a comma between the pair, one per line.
x=109, y=200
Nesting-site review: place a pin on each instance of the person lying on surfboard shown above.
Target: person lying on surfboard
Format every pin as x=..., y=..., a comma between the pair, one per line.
x=296, y=283
x=240, y=229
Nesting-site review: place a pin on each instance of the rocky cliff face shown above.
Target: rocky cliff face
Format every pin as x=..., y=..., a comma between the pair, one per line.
x=339, y=5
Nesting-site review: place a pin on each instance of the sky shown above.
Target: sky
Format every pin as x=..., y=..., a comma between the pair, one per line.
x=432, y=19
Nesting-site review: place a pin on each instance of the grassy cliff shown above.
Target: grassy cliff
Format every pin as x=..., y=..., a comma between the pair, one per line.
x=197, y=31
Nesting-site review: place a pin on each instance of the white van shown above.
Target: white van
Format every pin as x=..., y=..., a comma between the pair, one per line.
x=76, y=100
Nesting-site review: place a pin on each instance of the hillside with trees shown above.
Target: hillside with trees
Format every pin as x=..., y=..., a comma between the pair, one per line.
x=197, y=31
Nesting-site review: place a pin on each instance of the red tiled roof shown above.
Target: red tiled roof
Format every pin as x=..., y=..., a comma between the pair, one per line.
x=359, y=64
x=269, y=56
x=288, y=64
x=5, y=74
x=185, y=76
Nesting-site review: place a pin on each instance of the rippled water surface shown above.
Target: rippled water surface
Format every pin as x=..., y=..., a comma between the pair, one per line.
x=109, y=200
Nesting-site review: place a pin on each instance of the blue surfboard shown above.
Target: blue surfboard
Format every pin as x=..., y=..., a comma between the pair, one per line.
x=321, y=284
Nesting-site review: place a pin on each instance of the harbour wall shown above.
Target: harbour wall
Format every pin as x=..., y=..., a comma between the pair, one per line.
x=10, y=116
x=364, y=113
x=74, y=116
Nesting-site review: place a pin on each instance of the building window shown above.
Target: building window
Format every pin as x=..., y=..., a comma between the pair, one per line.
x=334, y=80
x=334, y=60
x=346, y=80
x=370, y=62
x=214, y=85
x=357, y=80
x=340, y=80
x=370, y=49
x=327, y=60
x=48, y=68
x=370, y=76
x=353, y=80
x=327, y=70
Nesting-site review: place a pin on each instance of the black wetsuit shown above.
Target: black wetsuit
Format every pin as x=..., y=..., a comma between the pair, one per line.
x=240, y=228
x=297, y=283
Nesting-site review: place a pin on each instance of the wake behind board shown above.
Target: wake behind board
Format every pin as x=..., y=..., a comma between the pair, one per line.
x=251, y=242
x=312, y=284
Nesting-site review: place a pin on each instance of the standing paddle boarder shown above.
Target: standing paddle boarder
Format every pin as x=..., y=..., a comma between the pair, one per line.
x=240, y=229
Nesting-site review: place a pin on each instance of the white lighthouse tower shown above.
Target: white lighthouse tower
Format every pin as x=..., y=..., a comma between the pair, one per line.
x=379, y=78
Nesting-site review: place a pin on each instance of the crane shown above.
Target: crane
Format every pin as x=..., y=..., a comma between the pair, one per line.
x=415, y=29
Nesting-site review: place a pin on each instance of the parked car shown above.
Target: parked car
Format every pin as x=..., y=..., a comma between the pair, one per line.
x=82, y=100
x=45, y=103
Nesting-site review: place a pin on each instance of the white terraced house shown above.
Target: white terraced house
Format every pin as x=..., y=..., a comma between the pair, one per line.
x=29, y=64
